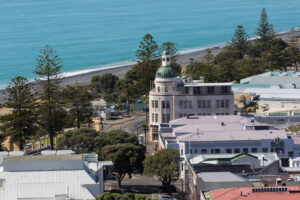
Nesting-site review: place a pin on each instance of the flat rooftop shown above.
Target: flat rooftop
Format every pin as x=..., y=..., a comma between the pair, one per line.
x=222, y=128
x=219, y=177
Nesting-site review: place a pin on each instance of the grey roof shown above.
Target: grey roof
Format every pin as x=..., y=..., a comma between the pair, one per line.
x=216, y=180
x=43, y=165
x=219, y=177
x=274, y=78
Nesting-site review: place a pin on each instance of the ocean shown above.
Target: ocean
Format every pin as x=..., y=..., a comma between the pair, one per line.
x=90, y=34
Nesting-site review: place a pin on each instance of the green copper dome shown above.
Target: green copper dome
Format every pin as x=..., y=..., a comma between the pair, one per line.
x=166, y=72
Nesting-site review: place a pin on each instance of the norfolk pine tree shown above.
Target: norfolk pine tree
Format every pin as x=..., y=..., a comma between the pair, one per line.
x=20, y=125
x=265, y=30
x=48, y=69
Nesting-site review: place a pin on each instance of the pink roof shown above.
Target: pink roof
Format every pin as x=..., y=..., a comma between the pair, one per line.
x=293, y=193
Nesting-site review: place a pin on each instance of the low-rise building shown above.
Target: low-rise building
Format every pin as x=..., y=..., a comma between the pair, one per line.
x=254, y=193
x=174, y=97
x=52, y=175
x=226, y=134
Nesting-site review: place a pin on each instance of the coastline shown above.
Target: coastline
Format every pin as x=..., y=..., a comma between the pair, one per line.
x=83, y=77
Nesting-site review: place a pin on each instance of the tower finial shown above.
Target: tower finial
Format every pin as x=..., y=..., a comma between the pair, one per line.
x=165, y=58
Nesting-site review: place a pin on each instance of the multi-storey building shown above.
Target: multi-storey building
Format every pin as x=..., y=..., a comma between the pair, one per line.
x=175, y=97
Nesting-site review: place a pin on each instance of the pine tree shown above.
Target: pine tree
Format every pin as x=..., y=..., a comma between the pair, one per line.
x=48, y=69
x=20, y=125
x=265, y=30
x=240, y=39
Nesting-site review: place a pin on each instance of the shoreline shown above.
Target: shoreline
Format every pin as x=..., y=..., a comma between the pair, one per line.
x=83, y=77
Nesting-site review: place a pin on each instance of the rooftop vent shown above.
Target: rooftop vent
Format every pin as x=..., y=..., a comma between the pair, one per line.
x=270, y=189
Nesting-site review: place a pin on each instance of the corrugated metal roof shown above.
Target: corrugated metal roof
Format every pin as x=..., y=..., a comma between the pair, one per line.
x=219, y=177
x=43, y=165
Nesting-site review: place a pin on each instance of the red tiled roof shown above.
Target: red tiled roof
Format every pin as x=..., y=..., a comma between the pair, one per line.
x=245, y=193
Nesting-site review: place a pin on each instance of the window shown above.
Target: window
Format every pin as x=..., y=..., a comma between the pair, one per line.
x=228, y=151
x=185, y=104
x=208, y=113
x=156, y=104
x=190, y=105
x=181, y=151
x=180, y=104
x=152, y=117
x=217, y=103
x=204, y=151
x=254, y=150
x=245, y=150
x=152, y=103
x=2, y=183
x=218, y=113
x=196, y=90
x=208, y=103
x=265, y=150
x=224, y=89
x=156, y=117
x=291, y=154
x=166, y=89
x=158, y=89
x=211, y=90
x=186, y=90
x=167, y=104
x=168, y=59
x=163, y=104
x=236, y=150
x=199, y=104
x=203, y=104
x=211, y=151
x=163, y=118
x=196, y=151
x=191, y=151
x=222, y=104
x=168, y=118
x=180, y=115
x=217, y=151
x=164, y=59
x=227, y=103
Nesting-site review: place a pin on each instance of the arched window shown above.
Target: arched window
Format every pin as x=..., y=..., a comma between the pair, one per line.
x=163, y=59
x=168, y=59
x=158, y=89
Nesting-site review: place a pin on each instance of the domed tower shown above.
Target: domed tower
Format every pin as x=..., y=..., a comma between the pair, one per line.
x=161, y=97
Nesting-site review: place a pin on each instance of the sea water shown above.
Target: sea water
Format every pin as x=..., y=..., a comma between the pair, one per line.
x=90, y=34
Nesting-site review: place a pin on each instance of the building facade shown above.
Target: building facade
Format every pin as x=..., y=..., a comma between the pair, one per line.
x=56, y=175
x=226, y=135
x=175, y=97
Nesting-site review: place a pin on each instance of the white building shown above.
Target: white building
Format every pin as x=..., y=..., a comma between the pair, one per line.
x=51, y=177
x=226, y=134
x=174, y=97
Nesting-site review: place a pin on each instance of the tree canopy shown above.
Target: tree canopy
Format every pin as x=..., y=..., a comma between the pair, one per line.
x=164, y=165
x=126, y=157
x=48, y=68
x=20, y=124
